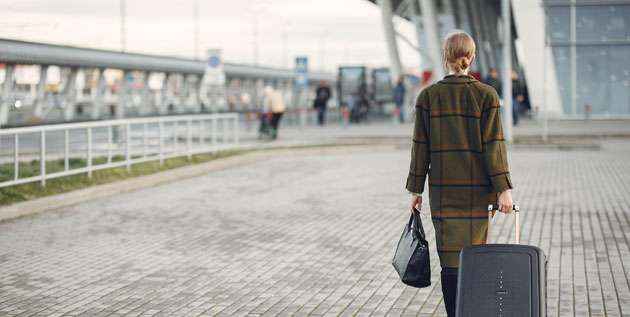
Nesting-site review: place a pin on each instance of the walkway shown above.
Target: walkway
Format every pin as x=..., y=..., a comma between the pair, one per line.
x=307, y=235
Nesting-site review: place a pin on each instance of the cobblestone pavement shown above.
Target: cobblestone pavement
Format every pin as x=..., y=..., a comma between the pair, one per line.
x=307, y=235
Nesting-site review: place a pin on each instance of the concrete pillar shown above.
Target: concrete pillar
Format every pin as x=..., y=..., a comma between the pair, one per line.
x=390, y=37
x=162, y=106
x=432, y=32
x=146, y=104
x=40, y=99
x=70, y=92
x=6, y=101
x=99, y=98
x=123, y=97
x=476, y=32
x=507, y=70
x=185, y=93
x=198, y=82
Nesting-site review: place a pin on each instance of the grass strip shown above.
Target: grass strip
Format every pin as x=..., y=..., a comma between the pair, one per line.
x=23, y=192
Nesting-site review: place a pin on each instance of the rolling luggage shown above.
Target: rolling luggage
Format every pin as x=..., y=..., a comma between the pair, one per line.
x=504, y=280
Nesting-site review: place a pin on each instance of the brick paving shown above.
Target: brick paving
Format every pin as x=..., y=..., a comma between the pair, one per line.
x=307, y=235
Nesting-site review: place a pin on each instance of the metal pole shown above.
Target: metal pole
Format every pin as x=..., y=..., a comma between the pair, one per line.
x=214, y=134
x=66, y=150
x=201, y=131
x=16, y=156
x=42, y=157
x=109, y=144
x=543, y=110
x=123, y=26
x=196, y=21
x=89, y=151
x=128, y=146
x=573, y=59
x=189, y=138
x=507, y=70
x=236, y=129
x=161, y=142
x=390, y=37
x=145, y=140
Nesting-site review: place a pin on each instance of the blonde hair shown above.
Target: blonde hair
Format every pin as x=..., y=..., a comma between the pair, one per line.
x=458, y=51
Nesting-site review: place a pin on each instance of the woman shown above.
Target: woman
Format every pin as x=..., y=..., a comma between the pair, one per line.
x=274, y=102
x=458, y=142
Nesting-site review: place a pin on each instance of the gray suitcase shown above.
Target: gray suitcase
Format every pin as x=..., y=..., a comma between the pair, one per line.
x=503, y=280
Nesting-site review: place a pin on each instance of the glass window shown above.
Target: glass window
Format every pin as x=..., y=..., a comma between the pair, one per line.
x=603, y=79
x=603, y=23
x=562, y=62
x=558, y=23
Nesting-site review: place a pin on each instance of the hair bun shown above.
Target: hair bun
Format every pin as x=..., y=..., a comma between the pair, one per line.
x=464, y=63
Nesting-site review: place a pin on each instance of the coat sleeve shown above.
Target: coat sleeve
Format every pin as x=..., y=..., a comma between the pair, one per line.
x=420, y=150
x=494, y=151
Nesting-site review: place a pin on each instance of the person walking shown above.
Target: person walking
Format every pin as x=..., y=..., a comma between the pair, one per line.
x=274, y=102
x=399, y=98
x=518, y=96
x=493, y=80
x=458, y=142
x=322, y=94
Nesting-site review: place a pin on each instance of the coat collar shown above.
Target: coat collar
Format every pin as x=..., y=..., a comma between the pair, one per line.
x=458, y=79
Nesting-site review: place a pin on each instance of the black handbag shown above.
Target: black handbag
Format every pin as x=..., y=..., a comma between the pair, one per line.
x=411, y=259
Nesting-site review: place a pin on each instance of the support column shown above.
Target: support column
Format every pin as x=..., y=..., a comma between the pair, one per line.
x=70, y=92
x=477, y=34
x=7, y=94
x=123, y=97
x=432, y=32
x=145, y=106
x=390, y=37
x=99, y=98
x=185, y=93
x=40, y=100
x=198, y=85
x=162, y=106
x=507, y=70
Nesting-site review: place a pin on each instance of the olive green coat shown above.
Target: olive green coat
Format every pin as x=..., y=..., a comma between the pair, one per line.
x=458, y=142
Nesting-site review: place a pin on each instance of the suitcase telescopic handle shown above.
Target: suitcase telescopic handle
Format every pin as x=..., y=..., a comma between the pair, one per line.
x=517, y=222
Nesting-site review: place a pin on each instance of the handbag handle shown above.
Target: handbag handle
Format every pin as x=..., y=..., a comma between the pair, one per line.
x=517, y=222
x=416, y=226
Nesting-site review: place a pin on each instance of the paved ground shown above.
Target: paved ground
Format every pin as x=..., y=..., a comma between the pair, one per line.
x=307, y=235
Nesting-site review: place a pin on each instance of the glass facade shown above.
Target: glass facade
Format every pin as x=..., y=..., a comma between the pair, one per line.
x=590, y=42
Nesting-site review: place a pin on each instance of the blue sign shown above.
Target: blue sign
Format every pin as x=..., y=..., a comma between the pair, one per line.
x=301, y=71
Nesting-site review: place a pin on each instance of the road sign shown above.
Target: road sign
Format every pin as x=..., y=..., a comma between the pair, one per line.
x=215, y=74
x=301, y=71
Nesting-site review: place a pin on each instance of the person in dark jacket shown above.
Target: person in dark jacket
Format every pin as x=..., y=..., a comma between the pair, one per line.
x=518, y=96
x=399, y=97
x=493, y=80
x=322, y=94
x=458, y=143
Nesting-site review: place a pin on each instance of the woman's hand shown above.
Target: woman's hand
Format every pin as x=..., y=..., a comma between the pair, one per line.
x=416, y=202
x=505, y=201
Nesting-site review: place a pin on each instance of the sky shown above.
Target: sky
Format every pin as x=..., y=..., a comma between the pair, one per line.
x=329, y=32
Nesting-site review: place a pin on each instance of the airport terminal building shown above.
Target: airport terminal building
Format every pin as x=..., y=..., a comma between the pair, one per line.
x=572, y=54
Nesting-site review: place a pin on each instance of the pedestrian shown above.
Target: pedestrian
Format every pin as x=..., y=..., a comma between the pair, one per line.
x=458, y=142
x=322, y=94
x=399, y=98
x=274, y=102
x=493, y=80
x=518, y=96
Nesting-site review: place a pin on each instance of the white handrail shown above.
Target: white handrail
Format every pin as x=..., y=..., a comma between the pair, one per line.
x=168, y=130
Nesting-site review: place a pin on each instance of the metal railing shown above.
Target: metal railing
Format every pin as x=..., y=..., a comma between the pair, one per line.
x=110, y=144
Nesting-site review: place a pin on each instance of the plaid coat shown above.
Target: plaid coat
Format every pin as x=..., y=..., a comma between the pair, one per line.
x=458, y=142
